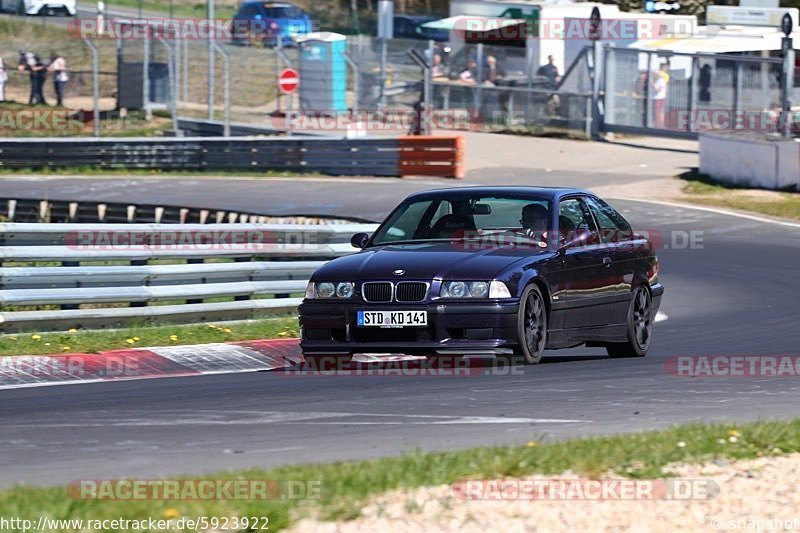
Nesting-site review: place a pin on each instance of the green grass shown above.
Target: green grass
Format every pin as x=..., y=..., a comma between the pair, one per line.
x=702, y=190
x=92, y=341
x=346, y=486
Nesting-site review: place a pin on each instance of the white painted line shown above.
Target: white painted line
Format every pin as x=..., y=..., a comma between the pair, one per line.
x=661, y=317
x=715, y=210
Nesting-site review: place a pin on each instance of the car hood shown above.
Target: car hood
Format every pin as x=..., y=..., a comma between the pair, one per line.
x=426, y=261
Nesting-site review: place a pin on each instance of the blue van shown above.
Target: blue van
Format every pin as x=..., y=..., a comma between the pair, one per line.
x=266, y=22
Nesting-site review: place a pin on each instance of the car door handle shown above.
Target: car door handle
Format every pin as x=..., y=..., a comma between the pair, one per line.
x=607, y=261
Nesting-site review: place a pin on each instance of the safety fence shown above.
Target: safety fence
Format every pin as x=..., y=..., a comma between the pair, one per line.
x=430, y=156
x=61, y=276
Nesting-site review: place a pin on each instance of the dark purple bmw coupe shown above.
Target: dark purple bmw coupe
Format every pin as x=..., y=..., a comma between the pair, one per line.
x=488, y=270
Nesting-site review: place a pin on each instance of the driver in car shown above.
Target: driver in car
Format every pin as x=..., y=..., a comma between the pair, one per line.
x=534, y=223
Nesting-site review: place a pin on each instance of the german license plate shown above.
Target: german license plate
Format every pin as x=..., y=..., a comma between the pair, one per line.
x=392, y=319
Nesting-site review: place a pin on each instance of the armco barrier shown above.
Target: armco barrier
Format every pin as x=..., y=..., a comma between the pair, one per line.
x=437, y=156
x=33, y=210
x=270, y=263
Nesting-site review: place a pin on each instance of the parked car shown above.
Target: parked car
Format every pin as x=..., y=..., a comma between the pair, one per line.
x=269, y=23
x=410, y=27
x=508, y=271
x=39, y=7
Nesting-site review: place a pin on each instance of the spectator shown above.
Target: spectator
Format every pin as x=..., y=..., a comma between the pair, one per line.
x=3, y=78
x=550, y=71
x=58, y=67
x=470, y=73
x=493, y=71
x=660, y=83
x=705, y=83
x=37, y=72
x=26, y=63
x=437, y=68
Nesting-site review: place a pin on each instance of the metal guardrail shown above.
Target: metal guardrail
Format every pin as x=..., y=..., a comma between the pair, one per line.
x=66, y=211
x=271, y=260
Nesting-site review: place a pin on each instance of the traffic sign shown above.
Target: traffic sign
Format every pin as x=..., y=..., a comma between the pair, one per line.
x=288, y=81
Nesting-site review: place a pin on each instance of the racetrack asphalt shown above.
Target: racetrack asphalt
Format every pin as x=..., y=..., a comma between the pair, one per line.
x=735, y=293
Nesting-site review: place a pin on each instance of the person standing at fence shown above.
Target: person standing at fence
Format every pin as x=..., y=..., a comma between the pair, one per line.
x=37, y=72
x=3, y=78
x=58, y=68
x=550, y=71
x=660, y=84
x=26, y=63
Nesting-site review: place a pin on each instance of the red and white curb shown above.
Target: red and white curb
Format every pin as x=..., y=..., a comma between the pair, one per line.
x=156, y=362
x=163, y=362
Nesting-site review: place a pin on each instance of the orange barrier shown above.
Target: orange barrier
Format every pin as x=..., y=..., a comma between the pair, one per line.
x=431, y=155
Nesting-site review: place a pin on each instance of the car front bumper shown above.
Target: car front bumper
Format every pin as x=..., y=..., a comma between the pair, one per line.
x=454, y=328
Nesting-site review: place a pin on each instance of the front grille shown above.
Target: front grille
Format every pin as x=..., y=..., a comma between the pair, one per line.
x=380, y=291
x=399, y=335
x=410, y=291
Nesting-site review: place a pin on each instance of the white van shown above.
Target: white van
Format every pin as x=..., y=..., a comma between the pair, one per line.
x=40, y=7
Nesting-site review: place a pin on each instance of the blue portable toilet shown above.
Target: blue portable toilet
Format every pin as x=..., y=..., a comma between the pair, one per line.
x=323, y=72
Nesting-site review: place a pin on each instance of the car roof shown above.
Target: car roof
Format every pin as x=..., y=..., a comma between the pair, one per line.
x=551, y=193
x=268, y=4
x=417, y=18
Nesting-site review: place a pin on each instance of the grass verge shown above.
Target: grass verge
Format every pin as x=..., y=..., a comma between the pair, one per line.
x=346, y=486
x=702, y=190
x=93, y=341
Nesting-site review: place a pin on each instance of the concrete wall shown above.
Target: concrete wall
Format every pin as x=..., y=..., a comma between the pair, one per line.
x=751, y=159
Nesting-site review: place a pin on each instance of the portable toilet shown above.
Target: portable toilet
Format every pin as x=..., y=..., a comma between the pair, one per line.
x=323, y=72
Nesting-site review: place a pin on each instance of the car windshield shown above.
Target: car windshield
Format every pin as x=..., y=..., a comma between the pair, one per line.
x=284, y=12
x=465, y=218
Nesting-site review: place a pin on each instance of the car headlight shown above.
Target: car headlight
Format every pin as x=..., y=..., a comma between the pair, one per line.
x=465, y=289
x=474, y=289
x=327, y=289
x=344, y=290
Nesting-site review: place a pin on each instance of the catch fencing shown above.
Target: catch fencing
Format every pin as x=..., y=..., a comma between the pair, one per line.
x=699, y=92
x=60, y=276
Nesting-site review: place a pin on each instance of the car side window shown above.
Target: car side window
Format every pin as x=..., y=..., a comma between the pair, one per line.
x=574, y=217
x=613, y=226
x=405, y=226
x=250, y=10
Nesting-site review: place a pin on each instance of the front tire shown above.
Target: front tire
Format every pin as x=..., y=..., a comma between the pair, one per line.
x=640, y=327
x=531, y=326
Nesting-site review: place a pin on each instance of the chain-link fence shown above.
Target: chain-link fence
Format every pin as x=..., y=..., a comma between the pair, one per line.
x=491, y=88
x=656, y=92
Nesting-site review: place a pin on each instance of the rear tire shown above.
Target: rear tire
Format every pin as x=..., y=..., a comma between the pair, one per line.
x=531, y=326
x=640, y=327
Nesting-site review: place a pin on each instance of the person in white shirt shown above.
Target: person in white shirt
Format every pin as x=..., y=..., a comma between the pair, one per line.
x=58, y=68
x=660, y=84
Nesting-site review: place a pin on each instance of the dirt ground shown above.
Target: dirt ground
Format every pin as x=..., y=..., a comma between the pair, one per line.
x=752, y=495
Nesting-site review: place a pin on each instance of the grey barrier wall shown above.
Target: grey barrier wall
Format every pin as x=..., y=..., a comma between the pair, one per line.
x=334, y=156
x=60, y=276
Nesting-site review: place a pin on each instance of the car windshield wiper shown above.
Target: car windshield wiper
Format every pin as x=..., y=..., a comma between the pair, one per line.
x=414, y=241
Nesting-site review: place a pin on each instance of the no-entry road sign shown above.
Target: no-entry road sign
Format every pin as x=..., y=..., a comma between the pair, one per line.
x=288, y=80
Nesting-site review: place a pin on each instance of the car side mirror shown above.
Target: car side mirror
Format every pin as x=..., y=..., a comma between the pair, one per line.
x=359, y=240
